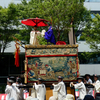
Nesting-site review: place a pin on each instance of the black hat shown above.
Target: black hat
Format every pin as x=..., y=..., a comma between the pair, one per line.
x=40, y=79
x=19, y=80
x=87, y=75
x=60, y=77
x=95, y=76
x=10, y=80
x=80, y=78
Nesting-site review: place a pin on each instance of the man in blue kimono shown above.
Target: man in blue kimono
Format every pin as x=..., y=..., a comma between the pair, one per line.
x=49, y=36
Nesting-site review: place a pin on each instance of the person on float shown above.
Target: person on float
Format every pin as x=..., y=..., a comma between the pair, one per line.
x=40, y=89
x=33, y=36
x=11, y=89
x=49, y=36
x=21, y=94
x=60, y=88
x=89, y=91
x=81, y=88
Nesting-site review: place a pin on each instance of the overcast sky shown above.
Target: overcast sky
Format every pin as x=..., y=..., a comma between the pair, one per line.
x=5, y=3
x=92, y=0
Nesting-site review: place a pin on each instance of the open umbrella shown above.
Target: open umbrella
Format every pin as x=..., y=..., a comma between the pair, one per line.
x=35, y=22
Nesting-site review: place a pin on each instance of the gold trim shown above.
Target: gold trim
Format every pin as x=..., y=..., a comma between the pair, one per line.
x=25, y=74
x=51, y=46
x=25, y=77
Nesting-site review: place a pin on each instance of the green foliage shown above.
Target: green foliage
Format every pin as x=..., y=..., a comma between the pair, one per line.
x=92, y=33
x=7, y=22
x=89, y=57
x=42, y=41
x=59, y=12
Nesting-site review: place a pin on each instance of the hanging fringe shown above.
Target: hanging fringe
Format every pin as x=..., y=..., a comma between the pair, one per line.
x=17, y=54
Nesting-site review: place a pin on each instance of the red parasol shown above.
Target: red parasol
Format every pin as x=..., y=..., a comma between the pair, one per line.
x=35, y=22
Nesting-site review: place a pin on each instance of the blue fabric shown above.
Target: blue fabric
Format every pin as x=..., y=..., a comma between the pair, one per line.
x=49, y=36
x=31, y=73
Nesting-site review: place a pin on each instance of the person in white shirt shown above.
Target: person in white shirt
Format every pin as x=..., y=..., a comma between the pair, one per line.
x=33, y=36
x=81, y=88
x=96, y=85
x=8, y=88
x=11, y=90
x=60, y=88
x=21, y=94
x=40, y=89
x=89, y=91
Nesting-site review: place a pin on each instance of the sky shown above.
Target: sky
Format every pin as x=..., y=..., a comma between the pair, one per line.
x=92, y=0
x=5, y=3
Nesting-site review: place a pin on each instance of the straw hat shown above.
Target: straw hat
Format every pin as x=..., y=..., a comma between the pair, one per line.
x=87, y=75
x=80, y=78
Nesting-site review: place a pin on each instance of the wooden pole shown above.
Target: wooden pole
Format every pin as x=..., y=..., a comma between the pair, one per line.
x=25, y=75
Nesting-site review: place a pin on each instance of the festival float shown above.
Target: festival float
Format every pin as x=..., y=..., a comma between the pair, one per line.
x=49, y=61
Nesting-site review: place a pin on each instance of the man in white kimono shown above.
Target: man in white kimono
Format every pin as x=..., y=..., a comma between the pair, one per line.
x=11, y=90
x=8, y=88
x=60, y=88
x=33, y=36
x=21, y=94
x=96, y=85
x=89, y=91
x=81, y=88
x=40, y=89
